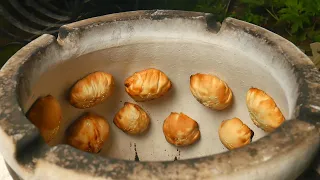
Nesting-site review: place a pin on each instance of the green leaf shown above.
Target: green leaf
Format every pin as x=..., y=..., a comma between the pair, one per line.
x=295, y=15
x=312, y=7
x=316, y=38
x=302, y=36
x=313, y=35
x=216, y=7
x=253, y=18
x=294, y=4
x=295, y=27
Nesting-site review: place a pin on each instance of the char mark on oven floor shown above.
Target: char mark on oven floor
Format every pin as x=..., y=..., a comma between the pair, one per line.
x=136, y=157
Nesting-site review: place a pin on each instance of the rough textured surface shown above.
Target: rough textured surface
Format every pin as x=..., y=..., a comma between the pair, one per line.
x=31, y=158
x=287, y=141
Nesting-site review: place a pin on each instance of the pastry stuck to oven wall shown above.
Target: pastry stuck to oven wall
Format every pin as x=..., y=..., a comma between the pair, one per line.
x=263, y=110
x=147, y=85
x=88, y=133
x=210, y=91
x=181, y=130
x=234, y=134
x=46, y=115
x=91, y=90
x=132, y=119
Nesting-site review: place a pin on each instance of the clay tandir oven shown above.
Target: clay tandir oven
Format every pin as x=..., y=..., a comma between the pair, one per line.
x=180, y=44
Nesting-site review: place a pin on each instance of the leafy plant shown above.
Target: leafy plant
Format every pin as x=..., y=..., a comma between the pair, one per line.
x=296, y=20
x=220, y=7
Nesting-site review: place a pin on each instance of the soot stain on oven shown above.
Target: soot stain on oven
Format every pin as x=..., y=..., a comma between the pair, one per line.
x=136, y=157
x=176, y=158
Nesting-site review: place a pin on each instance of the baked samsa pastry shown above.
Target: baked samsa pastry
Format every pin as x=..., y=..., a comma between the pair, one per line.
x=147, y=85
x=234, y=134
x=91, y=90
x=132, y=119
x=263, y=110
x=46, y=115
x=88, y=133
x=181, y=130
x=210, y=91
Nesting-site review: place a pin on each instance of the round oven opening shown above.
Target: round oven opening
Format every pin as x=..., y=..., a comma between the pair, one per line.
x=241, y=65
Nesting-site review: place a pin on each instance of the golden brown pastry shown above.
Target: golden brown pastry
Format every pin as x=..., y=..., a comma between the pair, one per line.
x=234, y=134
x=147, y=84
x=181, y=130
x=88, y=133
x=132, y=119
x=210, y=91
x=46, y=115
x=263, y=110
x=91, y=90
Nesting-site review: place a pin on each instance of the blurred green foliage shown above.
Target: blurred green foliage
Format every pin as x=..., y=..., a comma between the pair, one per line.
x=219, y=8
x=296, y=20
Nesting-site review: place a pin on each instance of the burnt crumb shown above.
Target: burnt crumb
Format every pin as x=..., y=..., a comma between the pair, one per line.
x=121, y=101
x=175, y=158
x=136, y=157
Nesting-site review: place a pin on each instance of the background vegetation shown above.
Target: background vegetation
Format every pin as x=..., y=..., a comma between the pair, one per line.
x=296, y=20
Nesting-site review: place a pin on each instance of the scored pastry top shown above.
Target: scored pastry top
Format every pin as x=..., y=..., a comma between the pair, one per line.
x=147, y=84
